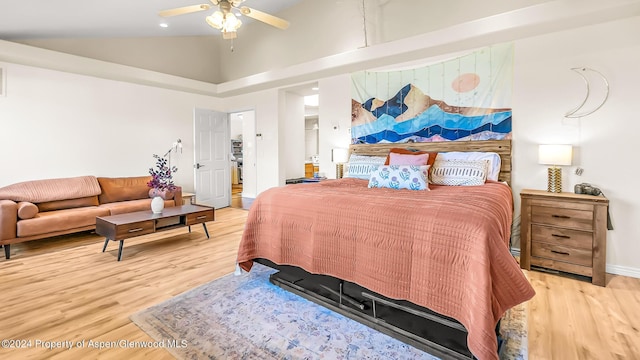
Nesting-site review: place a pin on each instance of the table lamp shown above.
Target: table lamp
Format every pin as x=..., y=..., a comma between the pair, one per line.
x=340, y=156
x=554, y=155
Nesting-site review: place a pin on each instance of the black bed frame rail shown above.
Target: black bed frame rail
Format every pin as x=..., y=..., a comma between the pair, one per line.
x=423, y=314
x=365, y=307
x=375, y=323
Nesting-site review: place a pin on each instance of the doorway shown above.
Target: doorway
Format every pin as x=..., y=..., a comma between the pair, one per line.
x=243, y=158
x=237, y=160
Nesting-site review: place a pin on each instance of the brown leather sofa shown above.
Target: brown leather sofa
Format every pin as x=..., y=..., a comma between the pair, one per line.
x=44, y=208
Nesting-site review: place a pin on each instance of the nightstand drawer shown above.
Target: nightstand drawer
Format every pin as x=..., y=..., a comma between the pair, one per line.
x=562, y=253
x=561, y=266
x=571, y=218
x=562, y=236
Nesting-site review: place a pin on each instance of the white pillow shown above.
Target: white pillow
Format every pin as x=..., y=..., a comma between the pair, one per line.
x=360, y=166
x=459, y=172
x=494, y=160
x=412, y=177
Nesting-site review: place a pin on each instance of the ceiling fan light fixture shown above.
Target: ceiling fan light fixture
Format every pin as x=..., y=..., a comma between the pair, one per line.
x=227, y=23
x=216, y=20
x=224, y=19
x=231, y=23
x=228, y=35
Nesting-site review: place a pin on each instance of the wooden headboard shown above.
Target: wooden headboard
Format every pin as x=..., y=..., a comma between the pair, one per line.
x=501, y=147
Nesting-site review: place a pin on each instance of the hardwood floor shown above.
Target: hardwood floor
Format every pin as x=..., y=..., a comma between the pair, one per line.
x=66, y=289
x=237, y=201
x=572, y=319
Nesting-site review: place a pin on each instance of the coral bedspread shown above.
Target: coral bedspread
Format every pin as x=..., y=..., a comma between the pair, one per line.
x=444, y=249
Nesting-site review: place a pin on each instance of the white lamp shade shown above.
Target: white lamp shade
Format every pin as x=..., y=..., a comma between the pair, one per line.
x=340, y=155
x=555, y=154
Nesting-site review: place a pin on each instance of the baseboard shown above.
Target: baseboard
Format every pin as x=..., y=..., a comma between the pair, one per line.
x=611, y=269
x=623, y=270
x=248, y=195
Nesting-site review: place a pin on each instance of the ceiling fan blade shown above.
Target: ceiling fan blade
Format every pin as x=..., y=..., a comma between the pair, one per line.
x=184, y=10
x=265, y=18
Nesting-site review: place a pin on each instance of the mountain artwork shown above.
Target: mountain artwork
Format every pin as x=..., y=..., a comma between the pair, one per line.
x=466, y=98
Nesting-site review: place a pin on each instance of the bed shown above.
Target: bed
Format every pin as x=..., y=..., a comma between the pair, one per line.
x=396, y=258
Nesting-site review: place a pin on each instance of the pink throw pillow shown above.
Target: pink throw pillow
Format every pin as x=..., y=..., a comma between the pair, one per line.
x=406, y=159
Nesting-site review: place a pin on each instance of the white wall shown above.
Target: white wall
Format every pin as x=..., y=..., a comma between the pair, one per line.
x=249, y=154
x=56, y=124
x=235, y=126
x=267, y=163
x=292, y=140
x=312, y=24
x=334, y=119
x=545, y=89
x=310, y=137
x=192, y=57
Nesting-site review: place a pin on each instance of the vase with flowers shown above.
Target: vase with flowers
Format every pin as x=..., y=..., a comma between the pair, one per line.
x=161, y=183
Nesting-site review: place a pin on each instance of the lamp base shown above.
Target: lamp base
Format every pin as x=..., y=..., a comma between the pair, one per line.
x=554, y=179
x=339, y=171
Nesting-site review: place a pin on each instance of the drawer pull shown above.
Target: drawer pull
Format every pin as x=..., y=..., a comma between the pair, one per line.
x=560, y=252
x=135, y=230
x=561, y=216
x=201, y=217
x=561, y=236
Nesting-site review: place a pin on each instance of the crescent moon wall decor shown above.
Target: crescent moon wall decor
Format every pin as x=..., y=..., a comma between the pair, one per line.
x=581, y=71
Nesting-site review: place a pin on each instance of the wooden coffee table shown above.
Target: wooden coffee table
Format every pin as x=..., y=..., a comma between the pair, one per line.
x=125, y=226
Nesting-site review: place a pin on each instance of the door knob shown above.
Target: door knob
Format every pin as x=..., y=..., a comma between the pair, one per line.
x=198, y=166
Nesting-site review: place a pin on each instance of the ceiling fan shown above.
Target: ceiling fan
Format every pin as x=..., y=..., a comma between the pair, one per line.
x=224, y=19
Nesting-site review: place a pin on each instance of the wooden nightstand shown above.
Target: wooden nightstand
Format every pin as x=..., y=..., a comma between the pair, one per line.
x=565, y=232
x=310, y=169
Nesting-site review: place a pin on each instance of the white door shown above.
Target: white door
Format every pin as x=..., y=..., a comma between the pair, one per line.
x=211, y=147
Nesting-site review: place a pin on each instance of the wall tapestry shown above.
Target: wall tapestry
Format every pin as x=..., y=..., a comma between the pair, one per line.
x=466, y=98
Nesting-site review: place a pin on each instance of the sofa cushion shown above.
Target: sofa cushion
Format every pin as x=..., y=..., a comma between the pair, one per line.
x=122, y=207
x=123, y=188
x=37, y=191
x=60, y=220
x=68, y=204
x=27, y=210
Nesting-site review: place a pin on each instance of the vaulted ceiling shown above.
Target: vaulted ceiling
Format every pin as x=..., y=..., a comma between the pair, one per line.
x=326, y=38
x=111, y=19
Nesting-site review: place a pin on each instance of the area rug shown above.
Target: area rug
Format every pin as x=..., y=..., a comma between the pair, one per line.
x=247, y=317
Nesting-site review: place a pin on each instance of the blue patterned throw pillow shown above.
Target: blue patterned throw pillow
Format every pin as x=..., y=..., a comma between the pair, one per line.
x=410, y=177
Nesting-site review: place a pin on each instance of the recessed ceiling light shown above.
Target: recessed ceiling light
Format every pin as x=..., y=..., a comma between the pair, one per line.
x=164, y=25
x=315, y=88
